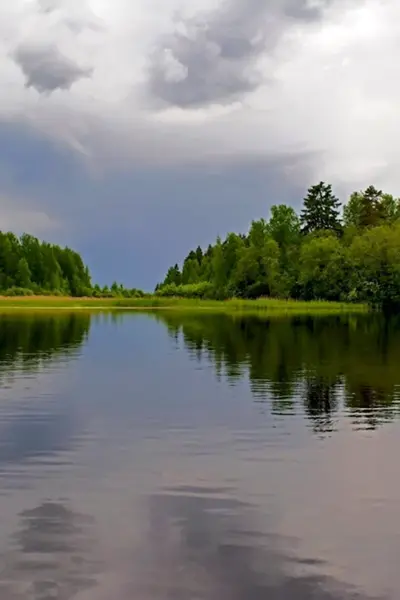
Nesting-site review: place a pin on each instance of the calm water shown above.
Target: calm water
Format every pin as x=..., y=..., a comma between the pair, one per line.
x=197, y=457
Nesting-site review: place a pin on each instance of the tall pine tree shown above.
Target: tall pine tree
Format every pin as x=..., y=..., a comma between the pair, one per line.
x=372, y=209
x=321, y=210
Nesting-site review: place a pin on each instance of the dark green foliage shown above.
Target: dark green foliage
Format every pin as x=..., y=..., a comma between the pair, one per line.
x=303, y=257
x=174, y=276
x=29, y=266
x=370, y=208
x=321, y=210
x=203, y=290
x=23, y=274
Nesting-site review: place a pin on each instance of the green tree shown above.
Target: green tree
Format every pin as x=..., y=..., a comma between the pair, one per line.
x=199, y=255
x=321, y=210
x=371, y=207
x=284, y=226
x=303, y=257
x=352, y=211
x=284, y=229
x=257, y=270
x=173, y=276
x=115, y=289
x=375, y=266
x=190, y=271
x=23, y=278
x=232, y=250
x=218, y=268
x=258, y=233
x=390, y=209
x=323, y=268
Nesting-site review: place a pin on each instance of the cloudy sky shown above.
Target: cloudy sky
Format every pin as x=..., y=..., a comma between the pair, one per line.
x=133, y=130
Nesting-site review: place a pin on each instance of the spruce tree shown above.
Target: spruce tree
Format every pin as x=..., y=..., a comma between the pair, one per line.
x=372, y=210
x=199, y=255
x=321, y=210
x=173, y=276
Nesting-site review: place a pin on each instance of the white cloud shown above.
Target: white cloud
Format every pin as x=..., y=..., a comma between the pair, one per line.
x=327, y=86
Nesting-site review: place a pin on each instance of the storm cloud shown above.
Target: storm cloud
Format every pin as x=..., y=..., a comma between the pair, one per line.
x=174, y=111
x=47, y=70
x=213, y=57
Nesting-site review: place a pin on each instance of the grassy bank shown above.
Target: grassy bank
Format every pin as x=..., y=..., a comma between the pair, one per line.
x=54, y=302
x=264, y=305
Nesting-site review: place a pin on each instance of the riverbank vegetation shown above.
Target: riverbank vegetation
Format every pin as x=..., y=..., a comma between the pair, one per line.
x=270, y=306
x=236, y=306
x=349, y=254
x=31, y=267
x=324, y=254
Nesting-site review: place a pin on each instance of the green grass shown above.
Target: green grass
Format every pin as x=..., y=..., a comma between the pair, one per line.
x=54, y=302
x=263, y=305
x=269, y=305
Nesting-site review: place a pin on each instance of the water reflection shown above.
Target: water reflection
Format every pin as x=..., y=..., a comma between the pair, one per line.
x=30, y=341
x=329, y=365
x=200, y=543
x=52, y=555
x=31, y=346
x=134, y=473
x=204, y=544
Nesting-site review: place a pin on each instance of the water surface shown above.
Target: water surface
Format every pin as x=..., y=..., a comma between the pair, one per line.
x=195, y=456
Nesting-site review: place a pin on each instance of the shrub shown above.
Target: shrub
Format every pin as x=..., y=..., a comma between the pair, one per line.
x=18, y=291
x=203, y=290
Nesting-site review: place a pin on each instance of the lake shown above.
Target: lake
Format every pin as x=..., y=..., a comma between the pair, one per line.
x=190, y=456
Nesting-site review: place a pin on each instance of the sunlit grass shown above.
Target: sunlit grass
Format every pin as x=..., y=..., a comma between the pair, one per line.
x=56, y=302
x=270, y=305
x=265, y=305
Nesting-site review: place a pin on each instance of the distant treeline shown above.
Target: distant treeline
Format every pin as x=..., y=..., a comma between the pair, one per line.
x=29, y=266
x=325, y=253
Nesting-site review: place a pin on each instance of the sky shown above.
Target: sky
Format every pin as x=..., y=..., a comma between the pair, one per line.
x=134, y=130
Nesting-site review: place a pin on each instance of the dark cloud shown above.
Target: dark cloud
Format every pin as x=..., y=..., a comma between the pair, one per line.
x=212, y=58
x=47, y=70
x=52, y=180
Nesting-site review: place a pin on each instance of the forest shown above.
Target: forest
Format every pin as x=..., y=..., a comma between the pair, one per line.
x=345, y=253
x=29, y=266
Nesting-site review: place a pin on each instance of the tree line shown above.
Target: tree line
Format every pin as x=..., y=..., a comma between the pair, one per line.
x=29, y=266
x=327, y=252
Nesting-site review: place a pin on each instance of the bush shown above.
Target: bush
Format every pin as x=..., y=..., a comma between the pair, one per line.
x=203, y=290
x=18, y=291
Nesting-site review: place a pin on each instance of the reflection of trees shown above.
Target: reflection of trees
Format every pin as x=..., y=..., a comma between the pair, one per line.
x=53, y=557
x=370, y=407
x=321, y=402
x=28, y=344
x=29, y=341
x=326, y=364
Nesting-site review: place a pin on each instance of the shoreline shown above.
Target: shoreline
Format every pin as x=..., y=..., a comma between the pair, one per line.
x=262, y=306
